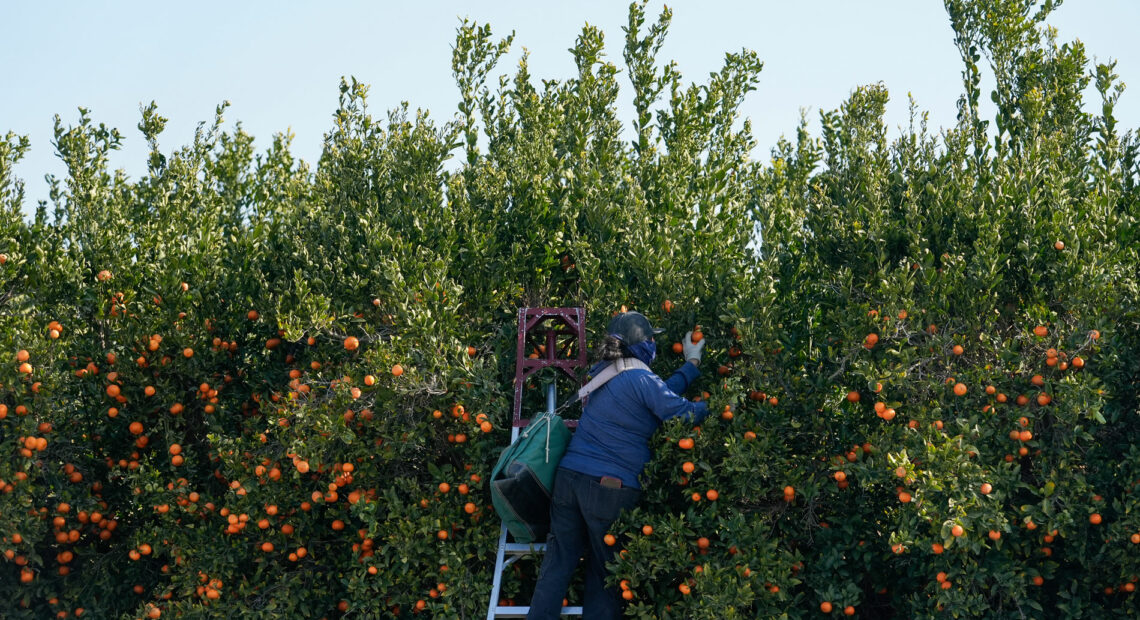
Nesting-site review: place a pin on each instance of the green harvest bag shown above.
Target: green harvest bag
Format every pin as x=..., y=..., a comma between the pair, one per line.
x=523, y=478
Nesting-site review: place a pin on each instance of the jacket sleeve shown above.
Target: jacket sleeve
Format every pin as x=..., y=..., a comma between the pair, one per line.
x=666, y=404
x=681, y=378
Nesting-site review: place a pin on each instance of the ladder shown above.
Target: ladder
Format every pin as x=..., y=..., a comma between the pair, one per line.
x=558, y=335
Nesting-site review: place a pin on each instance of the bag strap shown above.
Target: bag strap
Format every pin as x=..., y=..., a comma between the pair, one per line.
x=612, y=370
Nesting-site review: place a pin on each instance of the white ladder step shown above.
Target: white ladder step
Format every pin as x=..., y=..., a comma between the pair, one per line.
x=524, y=548
x=515, y=611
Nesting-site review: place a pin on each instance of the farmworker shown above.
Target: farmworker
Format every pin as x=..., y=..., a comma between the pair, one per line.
x=598, y=476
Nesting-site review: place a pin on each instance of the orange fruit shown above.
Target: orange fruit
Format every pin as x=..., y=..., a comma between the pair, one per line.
x=678, y=348
x=825, y=607
x=994, y=534
x=958, y=350
x=351, y=343
x=957, y=531
x=647, y=529
x=1040, y=331
x=687, y=467
x=904, y=497
x=712, y=495
x=610, y=539
x=1059, y=245
x=853, y=396
x=960, y=389
x=697, y=335
x=870, y=341
x=987, y=488
x=397, y=370
x=685, y=443
x=1095, y=518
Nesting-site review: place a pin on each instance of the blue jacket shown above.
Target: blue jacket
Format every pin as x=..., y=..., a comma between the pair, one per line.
x=618, y=419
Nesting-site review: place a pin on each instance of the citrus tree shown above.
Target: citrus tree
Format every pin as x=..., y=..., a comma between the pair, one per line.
x=247, y=386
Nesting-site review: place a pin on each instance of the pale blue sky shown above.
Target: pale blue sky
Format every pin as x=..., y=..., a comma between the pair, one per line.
x=279, y=63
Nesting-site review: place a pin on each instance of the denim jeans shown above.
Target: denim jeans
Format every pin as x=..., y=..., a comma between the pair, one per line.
x=581, y=513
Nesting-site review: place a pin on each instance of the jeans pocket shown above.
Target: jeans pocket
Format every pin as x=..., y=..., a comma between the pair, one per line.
x=606, y=504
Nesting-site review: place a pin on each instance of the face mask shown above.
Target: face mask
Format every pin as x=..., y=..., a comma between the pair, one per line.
x=646, y=351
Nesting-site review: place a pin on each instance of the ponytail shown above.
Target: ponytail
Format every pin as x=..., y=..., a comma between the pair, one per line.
x=613, y=348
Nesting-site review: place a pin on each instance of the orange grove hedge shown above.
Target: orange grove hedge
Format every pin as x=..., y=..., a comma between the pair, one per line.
x=242, y=385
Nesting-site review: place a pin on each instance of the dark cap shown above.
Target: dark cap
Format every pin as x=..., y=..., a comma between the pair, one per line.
x=632, y=328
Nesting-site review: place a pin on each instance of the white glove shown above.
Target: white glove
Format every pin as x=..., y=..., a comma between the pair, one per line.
x=693, y=351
